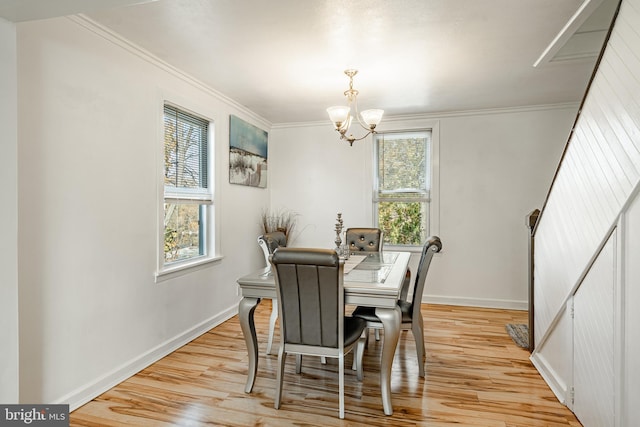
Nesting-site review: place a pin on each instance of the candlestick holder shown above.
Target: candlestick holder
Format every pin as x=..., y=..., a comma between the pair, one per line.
x=339, y=225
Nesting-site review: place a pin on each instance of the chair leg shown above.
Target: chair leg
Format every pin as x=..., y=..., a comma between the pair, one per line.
x=272, y=323
x=418, y=334
x=279, y=377
x=357, y=357
x=341, y=385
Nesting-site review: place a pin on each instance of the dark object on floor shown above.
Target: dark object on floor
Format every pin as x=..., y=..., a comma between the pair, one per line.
x=519, y=333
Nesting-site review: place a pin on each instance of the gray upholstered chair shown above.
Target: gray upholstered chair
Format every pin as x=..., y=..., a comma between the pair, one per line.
x=310, y=291
x=411, y=314
x=269, y=242
x=364, y=239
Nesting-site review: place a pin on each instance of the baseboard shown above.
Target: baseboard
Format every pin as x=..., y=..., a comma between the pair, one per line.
x=557, y=386
x=90, y=391
x=476, y=302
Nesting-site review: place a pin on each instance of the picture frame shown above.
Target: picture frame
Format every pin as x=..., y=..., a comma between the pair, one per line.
x=248, y=153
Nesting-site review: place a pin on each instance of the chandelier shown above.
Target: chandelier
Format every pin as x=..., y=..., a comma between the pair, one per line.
x=341, y=116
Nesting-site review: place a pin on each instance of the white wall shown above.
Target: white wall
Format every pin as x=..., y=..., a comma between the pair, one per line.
x=8, y=215
x=495, y=167
x=90, y=158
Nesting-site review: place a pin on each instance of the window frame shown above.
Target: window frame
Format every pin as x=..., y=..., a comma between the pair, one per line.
x=433, y=197
x=204, y=199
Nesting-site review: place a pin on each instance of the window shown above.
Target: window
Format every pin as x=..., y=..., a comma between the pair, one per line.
x=187, y=190
x=402, y=186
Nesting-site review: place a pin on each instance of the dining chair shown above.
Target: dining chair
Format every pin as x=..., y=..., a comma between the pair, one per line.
x=411, y=314
x=364, y=239
x=310, y=292
x=269, y=242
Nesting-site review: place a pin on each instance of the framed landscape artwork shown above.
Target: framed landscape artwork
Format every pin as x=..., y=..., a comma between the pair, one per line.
x=247, y=154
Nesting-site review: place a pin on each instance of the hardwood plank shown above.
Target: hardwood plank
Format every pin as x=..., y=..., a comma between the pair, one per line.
x=475, y=376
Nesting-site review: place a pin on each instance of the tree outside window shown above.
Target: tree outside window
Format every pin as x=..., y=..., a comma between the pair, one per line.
x=187, y=195
x=402, y=186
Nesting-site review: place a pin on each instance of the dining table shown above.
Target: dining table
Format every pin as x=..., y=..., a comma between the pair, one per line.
x=371, y=279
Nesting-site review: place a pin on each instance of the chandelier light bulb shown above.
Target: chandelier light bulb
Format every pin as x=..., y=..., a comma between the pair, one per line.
x=372, y=117
x=338, y=115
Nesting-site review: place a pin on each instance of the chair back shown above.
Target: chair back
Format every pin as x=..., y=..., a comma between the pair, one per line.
x=432, y=246
x=269, y=242
x=310, y=293
x=364, y=239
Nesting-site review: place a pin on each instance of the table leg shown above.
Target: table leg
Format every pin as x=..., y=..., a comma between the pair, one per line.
x=272, y=323
x=246, y=309
x=391, y=319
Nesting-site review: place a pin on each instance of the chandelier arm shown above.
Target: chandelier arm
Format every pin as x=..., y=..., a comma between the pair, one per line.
x=346, y=125
x=373, y=116
x=357, y=114
x=351, y=139
x=362, y=137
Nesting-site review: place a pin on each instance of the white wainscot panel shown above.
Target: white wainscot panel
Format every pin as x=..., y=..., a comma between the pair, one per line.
x=631, y=301
x=593, y=351
x=553, y=359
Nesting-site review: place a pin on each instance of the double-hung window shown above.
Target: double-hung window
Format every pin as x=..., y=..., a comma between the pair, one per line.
x=402, y=186
x=187, y=189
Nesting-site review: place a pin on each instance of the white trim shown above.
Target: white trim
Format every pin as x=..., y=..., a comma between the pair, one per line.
x=164, y=272
x=582, y=14
x=476, y=302
x=416, y=249
x=619, y=328
x=434, y=193
x=569, y=389
x=184, y=195
x=182, y=268
x=91, y=390
x=196, y=200
x=418, y=124
x=553, y=380
x=143, y=54
x=441, y=115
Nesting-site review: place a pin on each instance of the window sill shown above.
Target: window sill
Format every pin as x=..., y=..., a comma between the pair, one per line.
x=409, y=248
x=185, y=268
x=402, y=248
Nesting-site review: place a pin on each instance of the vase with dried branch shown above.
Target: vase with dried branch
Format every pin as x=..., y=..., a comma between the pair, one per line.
x=283, y=220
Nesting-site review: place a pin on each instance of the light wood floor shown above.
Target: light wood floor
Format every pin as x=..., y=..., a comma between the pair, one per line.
x=476, y=376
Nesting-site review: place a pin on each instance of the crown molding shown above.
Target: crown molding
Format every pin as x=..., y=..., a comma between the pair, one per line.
x=444, y=114
x=145, y=55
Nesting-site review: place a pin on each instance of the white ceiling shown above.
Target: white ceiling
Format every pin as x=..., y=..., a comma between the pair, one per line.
x=29, y=10
x=284, y=59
